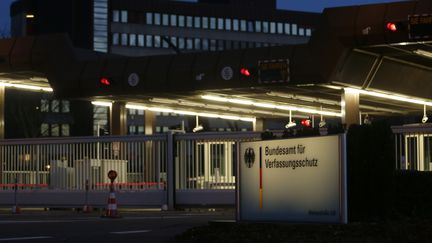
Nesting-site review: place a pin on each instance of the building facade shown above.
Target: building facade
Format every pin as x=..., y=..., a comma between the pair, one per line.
x=151, y=27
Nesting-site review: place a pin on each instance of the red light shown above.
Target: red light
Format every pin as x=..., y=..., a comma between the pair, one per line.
x=105, y=81
x=245, y=72
x=306, y=122
x=391, y=26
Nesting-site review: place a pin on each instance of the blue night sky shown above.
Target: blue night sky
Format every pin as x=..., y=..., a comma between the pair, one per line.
x=300, y=5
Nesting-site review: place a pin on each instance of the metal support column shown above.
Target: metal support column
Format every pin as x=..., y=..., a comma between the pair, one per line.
x=350, y=108
x=170, y=171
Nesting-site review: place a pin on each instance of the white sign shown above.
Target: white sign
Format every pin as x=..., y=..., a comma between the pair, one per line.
x=133, y=79
x=295, y=180
x=227, y=73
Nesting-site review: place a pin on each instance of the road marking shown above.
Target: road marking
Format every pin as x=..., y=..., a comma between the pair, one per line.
x=26, y=238
x=33, y=221
x=130, y=232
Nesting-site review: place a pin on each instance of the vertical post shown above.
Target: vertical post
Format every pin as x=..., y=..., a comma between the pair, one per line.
x=118, y=119
x=149, y=122
x=170, y=171
x=350, y=108
x=2, y=111
x=258, y=125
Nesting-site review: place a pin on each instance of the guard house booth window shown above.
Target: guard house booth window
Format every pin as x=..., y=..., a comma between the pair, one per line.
x=413, y=147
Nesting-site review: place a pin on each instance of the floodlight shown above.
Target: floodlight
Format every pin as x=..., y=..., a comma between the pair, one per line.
x=290, y=124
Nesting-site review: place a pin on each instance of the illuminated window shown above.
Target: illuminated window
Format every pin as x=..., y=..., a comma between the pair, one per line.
x=45, y=105
x=181, y=43
x=212, y=23
x=242, y=25
x=181, y=21
x=157, y=41
x=272, y=27
x=189, y=21
x=55, y=106
x=173, y=20
x=140, y=112
x=280, y=28
x=174, y=40
x=228, y=24
x=65, y=130
x=197, y=22
x=132, y=111
x=149, y=40
x=149, y=18
x=165, y=19
x=157, y=20
x=258, y=26
x=197, y=44
x=220, y=23
x=287, y=29
x=115, y=38
x=205, y=44
x=189, y=44
x=294, y=29
x=132, y=39
x=301, y=31
x=205, y=22
x=124, y=16
x=44, y=129
x=124, y=39
x=308, y=32
x=65, y=106
x=55, y=130
x=250, y=26
x=235, y=25
x=265, y=27
x=140, y=129
x=132, y=129
x=141, y=41
x=164, y=43
x=116, y=16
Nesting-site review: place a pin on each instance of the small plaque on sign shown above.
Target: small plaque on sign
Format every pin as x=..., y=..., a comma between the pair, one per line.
x=227, y=73
x=274, y=71
x=133, y=79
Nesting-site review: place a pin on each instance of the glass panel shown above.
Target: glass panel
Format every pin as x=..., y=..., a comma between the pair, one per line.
x=197, y=22
x=301, y=31
x=65, y=106
x=258, y=44
x=220, y=24
x=205, y=22
x=124, y=16
x=45, y=105
x=412, y=153
x=272, y=27
x=235, y=25
x=174, y=40
x=165, y=19
x=132, y=39
x=212, y=45
x=55, y=132
x=258, y=26
x=116, y=16
x=265, y=27
x=149, y=18
x=243, y=25
x=124, y=39
x=115, y=38
x=157, y=19
x=212, y=23
x=189, y=21
x=280, y=29
x=164, y=43
x=149, y=40
x=228, y=24
x=221, y=45
x=181, y=21
x=173, y=20
x=157, y=41
x=294, y=29
x=250, y=26
x=287, y=29
x=140, y=40
x=140, y=129
x=44, y=129
x=308, y=32
x=132, y=129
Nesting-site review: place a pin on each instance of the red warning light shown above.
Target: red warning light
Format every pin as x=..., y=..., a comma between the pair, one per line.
x=306, y=122
x=391, y=26
x=105, y=81
x=245, y=72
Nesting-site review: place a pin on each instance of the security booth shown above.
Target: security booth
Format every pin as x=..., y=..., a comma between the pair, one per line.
x=413, y=147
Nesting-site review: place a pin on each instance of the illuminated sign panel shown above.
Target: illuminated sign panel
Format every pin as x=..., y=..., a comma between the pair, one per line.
x=273, y=71
x=420, y=26
x=293, y=180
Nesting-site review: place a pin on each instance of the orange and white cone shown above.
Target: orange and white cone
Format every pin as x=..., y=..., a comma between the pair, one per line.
x=111, y=211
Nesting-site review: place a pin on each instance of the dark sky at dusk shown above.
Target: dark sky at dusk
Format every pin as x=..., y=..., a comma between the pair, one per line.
x=300, y=5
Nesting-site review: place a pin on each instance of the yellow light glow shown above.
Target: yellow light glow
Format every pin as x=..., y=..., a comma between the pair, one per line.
x=29, y=16
x=390, y=96
x=101, y=103
x=25, y=86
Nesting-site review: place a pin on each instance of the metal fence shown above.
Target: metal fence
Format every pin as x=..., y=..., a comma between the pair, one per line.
x=71, y=163
x=413, y=146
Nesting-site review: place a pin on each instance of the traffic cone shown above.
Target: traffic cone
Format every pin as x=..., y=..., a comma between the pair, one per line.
x=111, y=210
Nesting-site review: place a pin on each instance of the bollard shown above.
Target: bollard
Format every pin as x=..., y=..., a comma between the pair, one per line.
x=15, y=208
x=87, y=208
x=111, y=210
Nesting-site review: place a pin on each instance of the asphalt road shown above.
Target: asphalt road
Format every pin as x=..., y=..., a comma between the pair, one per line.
x=69, y=226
